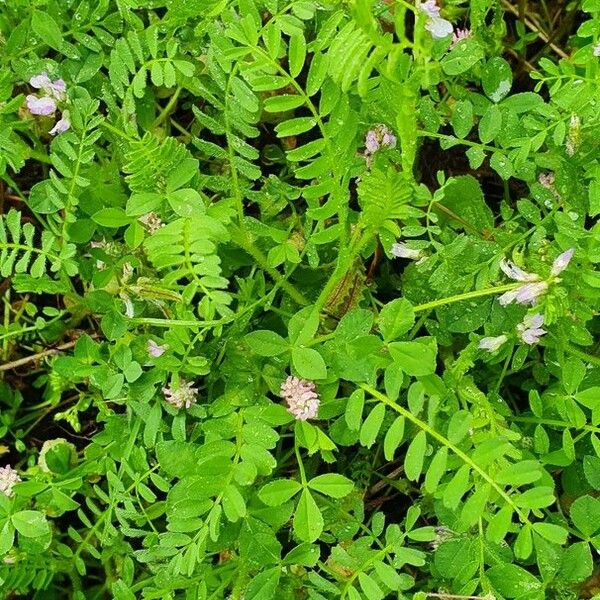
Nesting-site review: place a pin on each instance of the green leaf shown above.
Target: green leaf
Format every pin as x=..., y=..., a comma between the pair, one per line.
x=591, y=470
x=537, y=497
x=371, y=590
x=462, y=57
x=331, y=484
x=512, y=581
x=354, y=410
x=46, y=28
x=234, y=505
x=436, y=469
x=395, y=319
x=462, y=118
x=308, y=520
x=279, y=491
x=521, y=473
x=415, y=455
x=524, y=543
x=499, y=524
x=496, y=79
x=576, y=564
x=266, y=343
x=283, y=103
x=553, y=533
x=264, y=585
x=585, y=514
x=393, y=437
x=459, y=426
x=7, y=537
x=457, y=487
x=490, y=124
x=417, y=357
x=111, y=217
x=296, y=53
x=370, y=428
x=30, y=523
x=308, y=363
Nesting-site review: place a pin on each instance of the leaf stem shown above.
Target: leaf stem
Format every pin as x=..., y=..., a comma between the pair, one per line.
x=467, y=296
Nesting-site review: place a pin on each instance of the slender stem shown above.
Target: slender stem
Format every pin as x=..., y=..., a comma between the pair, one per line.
x=467, y=296
x=445, y=442
x=300, y=465
x=595, y=360
x=166, y=111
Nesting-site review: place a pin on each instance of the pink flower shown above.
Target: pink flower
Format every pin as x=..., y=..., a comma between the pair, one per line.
x=379, y=137
x=184, y=395
x=491, y=344
x=562, y=262
x=8, y=478
x=439, y=28
x=56, y=88
x=530, y=330
x=301, y=398
x=458, y=35
x=401, y=250
x=41, y=81
x=62, y=125
x=41, y=106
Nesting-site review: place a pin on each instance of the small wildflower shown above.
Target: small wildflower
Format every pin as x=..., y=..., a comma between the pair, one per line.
x=401, y=250
x=371, y=142
x=491, y=344
x=516, y=273
x=526, y=294
x=458, y=35
x=436, y=25
x=562, y=262
x=184, y=395
x=547, y=180
x=8, y=478
x=57, y=88
x=379, y=137
x=155, y=350
x=530, y=330
x=61, y=125
x=442, y=534
x=152, y=221
x=430, y=8
x=41, y=106
x=301, y=398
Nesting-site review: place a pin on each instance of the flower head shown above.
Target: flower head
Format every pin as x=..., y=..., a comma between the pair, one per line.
x=8, y=478
x=458, y=35
x=184, y=395
x=491, y=344
x=155, y=350
x=530, y=329
x=511, y=270
x=562, y=262
x=439, y=28
x=57, y=88
x=41, y=106
x=152, y=221
x=61, y=125
x=525, y=294
x=301, y=398
x=401, y=250
x=379, y=137
x=430, y=8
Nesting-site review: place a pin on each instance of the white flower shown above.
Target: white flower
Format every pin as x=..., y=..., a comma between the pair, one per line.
x=562, y=262
x=184, y=395
x=439, y=28
x=56, y=88
x=516, y=273
x=430, y=8
x=525, y=294
x=301, y=398
x=530, y=330
x=155, y=350
x=62, y=125
x=491, y=344
x=400, y=250
x=8, y=478
x=152, y=221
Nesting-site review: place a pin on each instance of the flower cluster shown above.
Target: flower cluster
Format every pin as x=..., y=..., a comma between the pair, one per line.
x=152, y=222
x=46, y=105
x=183, y=396
x=301, y=398
x=8, y=478
x=530, y=329
x=534, y=286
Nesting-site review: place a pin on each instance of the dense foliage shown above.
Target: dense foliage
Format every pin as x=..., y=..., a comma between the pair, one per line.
x=300, y=299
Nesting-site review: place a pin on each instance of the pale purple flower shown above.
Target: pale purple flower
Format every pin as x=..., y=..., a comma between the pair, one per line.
x=301, y=398
x=516, y=273
x=430, y=8
x=562, y=262
x=156, y=350
x=596, y=50
x=41, y=106
x=401, y=250
x=184, y=395
x=458, y=35
x=8, y=478
x=62, y=125
x=379, y=137
x=547, y=179
x=491, y=344
x=530, y=330
x=56, y=88
x=525, y=294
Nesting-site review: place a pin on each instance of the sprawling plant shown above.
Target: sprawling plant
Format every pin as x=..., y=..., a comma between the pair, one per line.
x=300, y=299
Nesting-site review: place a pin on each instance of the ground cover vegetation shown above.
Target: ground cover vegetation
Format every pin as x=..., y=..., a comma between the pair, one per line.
x=299, y=299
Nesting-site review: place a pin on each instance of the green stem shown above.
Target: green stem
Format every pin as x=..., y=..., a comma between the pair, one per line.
x=445, y=442
x=595, y=360
x=467, y=296
x=300, y=465
x=166, y=111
